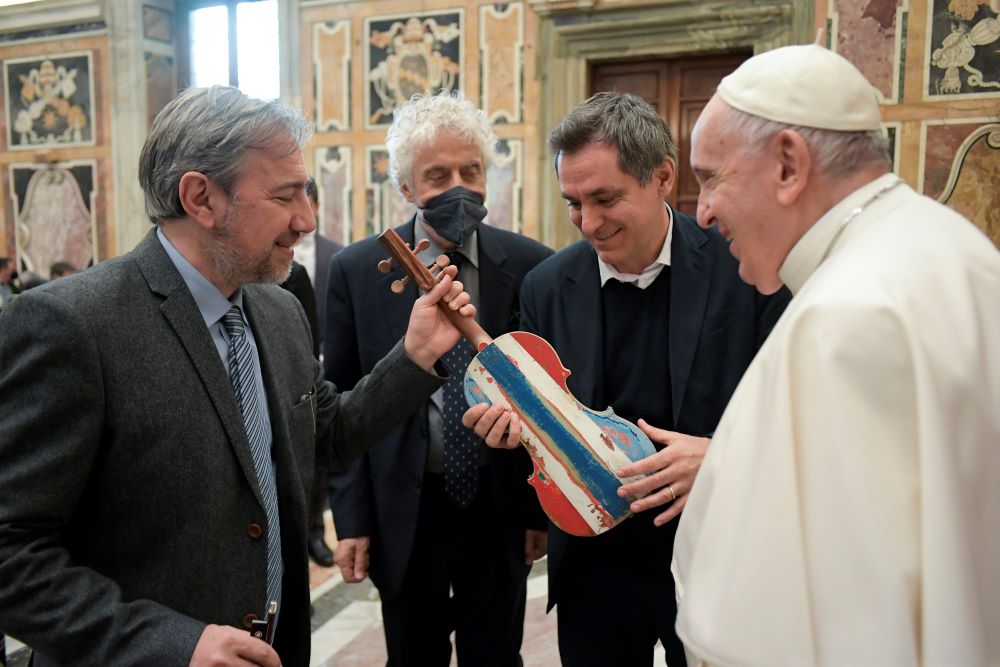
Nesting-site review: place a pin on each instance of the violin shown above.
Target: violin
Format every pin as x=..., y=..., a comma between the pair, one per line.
x=575, y=450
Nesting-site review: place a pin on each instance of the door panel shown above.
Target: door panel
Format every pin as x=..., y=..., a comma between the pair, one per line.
x=678, y=89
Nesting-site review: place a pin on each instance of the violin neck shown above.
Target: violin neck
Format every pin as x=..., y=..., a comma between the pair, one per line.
x=425, y=281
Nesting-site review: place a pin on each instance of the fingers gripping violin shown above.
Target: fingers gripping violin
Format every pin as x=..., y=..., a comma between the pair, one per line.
x=575, y=450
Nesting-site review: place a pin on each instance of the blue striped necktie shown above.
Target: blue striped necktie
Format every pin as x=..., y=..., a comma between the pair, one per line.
x=241, y=374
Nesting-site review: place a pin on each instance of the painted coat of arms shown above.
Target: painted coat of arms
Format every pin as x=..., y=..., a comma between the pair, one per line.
x=49, y=101
x=963, y=54
x=410, y=55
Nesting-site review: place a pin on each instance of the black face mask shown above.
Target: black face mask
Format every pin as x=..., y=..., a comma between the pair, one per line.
x=455, y=214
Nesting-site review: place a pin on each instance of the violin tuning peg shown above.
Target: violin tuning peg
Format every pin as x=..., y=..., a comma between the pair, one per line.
x=423, y=245
x=385, y=266
x=398, y=286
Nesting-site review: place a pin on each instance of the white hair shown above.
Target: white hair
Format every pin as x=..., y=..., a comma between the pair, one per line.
x=416, y=124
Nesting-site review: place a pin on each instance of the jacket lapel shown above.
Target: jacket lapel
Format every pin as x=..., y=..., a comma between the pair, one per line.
x=496, y=285
x=690, y=280
x=581, y=339
x=181, y=312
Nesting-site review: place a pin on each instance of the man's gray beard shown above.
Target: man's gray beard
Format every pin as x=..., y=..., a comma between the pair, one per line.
x=231, y=266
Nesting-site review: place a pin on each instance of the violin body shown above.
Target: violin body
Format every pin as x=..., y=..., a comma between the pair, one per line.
x=576, y=451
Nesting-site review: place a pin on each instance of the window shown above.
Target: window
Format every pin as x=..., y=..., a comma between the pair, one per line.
x=235, y=43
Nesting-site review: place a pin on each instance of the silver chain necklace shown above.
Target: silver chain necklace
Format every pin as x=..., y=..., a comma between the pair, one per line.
x=856, y=211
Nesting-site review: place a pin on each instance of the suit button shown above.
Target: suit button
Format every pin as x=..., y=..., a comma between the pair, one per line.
x=255, y=531
x=248, y=620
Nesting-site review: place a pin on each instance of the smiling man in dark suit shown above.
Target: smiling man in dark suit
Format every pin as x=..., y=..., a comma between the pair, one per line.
x=426, y=525
x=650, y=316
x=161, y=413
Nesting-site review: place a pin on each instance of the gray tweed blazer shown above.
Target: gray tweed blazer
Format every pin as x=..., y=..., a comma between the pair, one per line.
x=130, y=512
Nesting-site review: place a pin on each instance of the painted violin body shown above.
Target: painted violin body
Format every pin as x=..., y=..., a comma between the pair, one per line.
x=576, y=451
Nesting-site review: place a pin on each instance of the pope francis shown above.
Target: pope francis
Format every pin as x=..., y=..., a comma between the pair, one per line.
x=848, y=509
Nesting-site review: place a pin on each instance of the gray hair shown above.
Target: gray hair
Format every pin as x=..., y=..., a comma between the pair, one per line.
x=210, y=131
x=837, y=154
x=416, y=124
x=627, y=122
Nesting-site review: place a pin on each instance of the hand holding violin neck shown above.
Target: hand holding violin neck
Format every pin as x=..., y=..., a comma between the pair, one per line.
x=424, y=277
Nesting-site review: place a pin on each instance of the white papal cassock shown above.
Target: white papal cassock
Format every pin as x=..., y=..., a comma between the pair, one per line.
x=848, y=509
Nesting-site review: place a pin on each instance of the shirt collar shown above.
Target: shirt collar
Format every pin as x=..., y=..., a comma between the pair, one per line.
x=651, y=272
x=469, y=249
x=211, y=303
x=807, y=253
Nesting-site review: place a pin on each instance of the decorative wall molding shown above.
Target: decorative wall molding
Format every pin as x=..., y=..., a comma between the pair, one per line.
x=331, y=75
x=504, y=185
x=384, y=206
x=501, y=48
x=51, y=13
x=335, y=190
x=55, y=213
x=872, y=36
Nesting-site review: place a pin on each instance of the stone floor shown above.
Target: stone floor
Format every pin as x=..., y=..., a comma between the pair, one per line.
x=347, y=622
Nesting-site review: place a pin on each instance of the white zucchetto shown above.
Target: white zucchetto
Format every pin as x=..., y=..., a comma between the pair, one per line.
x=807, y=85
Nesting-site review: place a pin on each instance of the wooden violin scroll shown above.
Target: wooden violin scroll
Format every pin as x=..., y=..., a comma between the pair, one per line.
x=423, y=277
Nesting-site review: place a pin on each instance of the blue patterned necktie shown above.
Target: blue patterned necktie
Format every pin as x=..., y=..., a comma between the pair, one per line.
x=461, y=447
x=242, y=376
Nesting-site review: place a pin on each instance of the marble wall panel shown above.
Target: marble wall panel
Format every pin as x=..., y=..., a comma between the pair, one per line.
x=50, y=101
x=963, y=50
x=504, y=185
x=410, y=54
x=161, y=83
x=971, y=188
x=331, y=72
x=501, y=47
x=333, y=180
x=385, y=207
x=870, y=33
x=941, y=141
x=157, y=24
x=54, y=213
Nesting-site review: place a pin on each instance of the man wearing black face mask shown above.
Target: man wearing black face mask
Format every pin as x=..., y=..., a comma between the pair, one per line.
x=431, y=509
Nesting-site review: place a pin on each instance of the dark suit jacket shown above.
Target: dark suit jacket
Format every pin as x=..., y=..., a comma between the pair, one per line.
x=380, y=495
x=325, y=249
x=128, y=497
x=298, y=284
x=717, y=323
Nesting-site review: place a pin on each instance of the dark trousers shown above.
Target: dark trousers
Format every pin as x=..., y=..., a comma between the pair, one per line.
x=616, y=597
x=457, y=580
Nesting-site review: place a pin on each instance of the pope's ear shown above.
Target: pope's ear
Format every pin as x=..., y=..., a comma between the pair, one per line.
x=794, y=164
x=201, y=198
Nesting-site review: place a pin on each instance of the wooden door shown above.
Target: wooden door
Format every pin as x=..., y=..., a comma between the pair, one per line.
x=678, y=89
